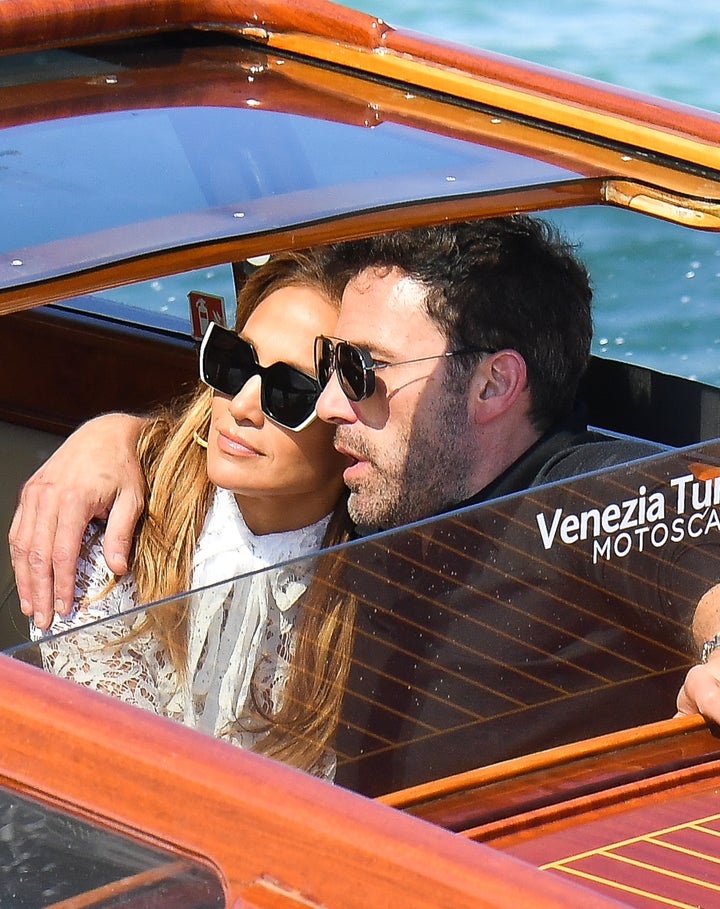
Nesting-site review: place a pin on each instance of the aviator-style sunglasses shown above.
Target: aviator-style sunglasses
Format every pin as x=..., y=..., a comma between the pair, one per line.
x=356, y=368
x=287, y=395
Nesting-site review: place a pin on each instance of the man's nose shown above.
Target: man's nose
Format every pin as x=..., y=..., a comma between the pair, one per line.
x=333, y=405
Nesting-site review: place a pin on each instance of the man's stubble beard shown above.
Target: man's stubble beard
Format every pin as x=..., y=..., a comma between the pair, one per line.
x=426, y=474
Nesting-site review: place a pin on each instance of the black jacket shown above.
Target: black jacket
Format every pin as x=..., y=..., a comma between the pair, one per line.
x=480, y=636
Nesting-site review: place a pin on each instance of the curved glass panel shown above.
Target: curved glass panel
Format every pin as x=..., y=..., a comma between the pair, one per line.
x=530, y=621
x=48, y=858
x=654, y=294
x=132, y=151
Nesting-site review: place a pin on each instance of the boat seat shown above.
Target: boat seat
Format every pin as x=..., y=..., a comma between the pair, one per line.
x=22, y=450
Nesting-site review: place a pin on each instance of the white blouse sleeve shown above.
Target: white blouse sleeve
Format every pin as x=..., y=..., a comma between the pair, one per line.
x=94, y=645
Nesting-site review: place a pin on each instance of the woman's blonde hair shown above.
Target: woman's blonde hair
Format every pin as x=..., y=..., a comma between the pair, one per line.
x=178, y=497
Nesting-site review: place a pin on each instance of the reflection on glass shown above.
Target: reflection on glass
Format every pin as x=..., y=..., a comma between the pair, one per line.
x=47, y=857
x=530, y=621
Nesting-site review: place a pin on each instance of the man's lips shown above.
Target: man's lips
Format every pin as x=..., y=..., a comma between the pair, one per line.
x=358, y=463
x=348, y=453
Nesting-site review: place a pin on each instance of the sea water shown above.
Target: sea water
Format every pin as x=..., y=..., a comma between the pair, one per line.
x=657, y=286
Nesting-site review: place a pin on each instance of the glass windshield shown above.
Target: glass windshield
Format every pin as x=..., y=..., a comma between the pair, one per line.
x=48, y=858
x=501, y=629
x=161, y=149
x=654, y=289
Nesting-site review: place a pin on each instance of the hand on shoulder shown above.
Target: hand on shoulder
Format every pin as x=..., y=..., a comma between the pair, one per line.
x=94, y=474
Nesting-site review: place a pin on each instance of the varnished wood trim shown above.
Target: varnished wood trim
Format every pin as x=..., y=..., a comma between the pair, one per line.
x=37, y=23
x=250, y=819
x=234, y=249
x=577, y=94
x=328, y=31
x=543, y=760
x=591, y=807
x=61, y=368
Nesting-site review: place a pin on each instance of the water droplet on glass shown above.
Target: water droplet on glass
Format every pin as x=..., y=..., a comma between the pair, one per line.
x=495, y=120
x=689, y=274
x=111, y=80
x=16, y=262
x=450, y=179
x=619, y=341
x=238, y=214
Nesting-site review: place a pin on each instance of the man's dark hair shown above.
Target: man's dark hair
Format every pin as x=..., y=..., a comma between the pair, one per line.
x=511, y=282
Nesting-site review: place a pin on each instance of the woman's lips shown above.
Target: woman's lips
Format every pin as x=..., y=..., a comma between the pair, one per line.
x=235, y=446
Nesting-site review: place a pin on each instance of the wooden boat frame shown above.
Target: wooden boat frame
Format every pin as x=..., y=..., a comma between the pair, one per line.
x=277, y=838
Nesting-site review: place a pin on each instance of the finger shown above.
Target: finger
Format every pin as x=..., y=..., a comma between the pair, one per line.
x=700, y=692
x=119, y=532
x=31, y=539
x=14, y=530
x=18, y=558
x=72, y=519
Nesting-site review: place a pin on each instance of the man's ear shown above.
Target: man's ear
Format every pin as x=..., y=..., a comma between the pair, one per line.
x=499, y=382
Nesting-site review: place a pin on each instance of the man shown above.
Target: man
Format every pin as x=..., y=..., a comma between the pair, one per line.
x=480, y=334
x=517, y=299
x=453, y=381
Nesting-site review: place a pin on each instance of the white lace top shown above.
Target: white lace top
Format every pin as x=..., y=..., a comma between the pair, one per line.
x=236, y=631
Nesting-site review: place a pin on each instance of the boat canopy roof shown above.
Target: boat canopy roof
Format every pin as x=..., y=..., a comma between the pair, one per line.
x=208, y=145
x=133, y=163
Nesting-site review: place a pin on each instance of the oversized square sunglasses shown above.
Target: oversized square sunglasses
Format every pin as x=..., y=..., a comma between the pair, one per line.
x=356, y=368
x=287, y=395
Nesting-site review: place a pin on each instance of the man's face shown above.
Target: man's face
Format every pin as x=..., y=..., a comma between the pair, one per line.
x=410, y=444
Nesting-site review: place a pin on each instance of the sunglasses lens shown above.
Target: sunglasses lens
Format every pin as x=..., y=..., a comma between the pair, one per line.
x=227, y=361
x=323, y=360
x=289, y=396
x=354, y=377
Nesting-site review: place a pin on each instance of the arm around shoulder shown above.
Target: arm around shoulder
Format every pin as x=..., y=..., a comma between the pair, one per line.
x=94, y=474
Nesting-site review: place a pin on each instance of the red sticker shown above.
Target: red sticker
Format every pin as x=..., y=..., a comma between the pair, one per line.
x=204, y=309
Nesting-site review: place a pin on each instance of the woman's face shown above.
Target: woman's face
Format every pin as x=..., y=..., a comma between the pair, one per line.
x=282, y=479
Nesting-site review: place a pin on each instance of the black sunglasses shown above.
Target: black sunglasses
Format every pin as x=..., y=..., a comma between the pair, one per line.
x=355, y=366
x=287, y=395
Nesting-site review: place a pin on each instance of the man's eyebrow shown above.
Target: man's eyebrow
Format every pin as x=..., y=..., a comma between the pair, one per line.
x=377, y=351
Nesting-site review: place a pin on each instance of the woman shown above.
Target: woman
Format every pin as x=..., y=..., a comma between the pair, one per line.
x=240, y=477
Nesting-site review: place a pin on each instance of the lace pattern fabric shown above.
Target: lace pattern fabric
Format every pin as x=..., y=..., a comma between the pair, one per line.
x=240, y=633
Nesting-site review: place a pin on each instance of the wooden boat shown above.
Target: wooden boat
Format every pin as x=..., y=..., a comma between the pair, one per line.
x=144, y=142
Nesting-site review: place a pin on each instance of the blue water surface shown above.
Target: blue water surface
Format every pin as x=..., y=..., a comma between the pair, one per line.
x=667, y=314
